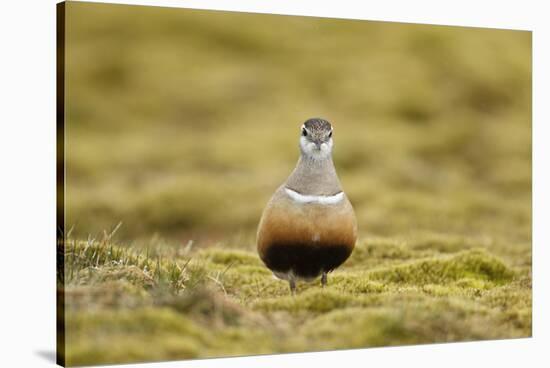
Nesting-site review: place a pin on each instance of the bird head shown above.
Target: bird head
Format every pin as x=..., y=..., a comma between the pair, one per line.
x=316, y=138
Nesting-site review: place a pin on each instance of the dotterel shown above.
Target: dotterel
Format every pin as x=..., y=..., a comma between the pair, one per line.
x=308, y=227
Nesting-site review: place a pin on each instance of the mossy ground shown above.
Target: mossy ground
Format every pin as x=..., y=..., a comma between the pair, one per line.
x=181, y=123
x=125, y=305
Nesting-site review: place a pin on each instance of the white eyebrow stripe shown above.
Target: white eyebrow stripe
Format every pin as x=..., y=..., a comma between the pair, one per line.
x=303, y=198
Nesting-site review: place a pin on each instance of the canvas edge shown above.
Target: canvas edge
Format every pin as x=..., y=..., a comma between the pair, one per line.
x=60, y=181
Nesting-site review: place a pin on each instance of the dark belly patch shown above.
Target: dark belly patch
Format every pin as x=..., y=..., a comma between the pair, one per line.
x=306, y=261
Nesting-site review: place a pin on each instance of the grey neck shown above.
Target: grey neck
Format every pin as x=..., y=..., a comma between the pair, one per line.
x=314, y=177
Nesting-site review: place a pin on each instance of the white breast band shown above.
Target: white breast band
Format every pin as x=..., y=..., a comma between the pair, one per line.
x=303, y=198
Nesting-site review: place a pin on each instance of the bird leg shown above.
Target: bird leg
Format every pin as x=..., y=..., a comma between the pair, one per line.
x=292, y=284
x=324, y=279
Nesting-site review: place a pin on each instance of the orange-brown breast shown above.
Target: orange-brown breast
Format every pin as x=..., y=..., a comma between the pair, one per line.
x=307, y=238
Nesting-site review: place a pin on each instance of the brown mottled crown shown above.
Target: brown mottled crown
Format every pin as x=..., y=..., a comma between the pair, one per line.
x=317, y=124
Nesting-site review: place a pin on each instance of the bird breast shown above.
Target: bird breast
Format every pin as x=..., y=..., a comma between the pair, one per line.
x=292, y=218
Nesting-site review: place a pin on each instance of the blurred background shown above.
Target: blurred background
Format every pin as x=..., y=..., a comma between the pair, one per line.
x=181, y=123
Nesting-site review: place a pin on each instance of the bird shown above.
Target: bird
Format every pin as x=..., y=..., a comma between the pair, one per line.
x=308, y=227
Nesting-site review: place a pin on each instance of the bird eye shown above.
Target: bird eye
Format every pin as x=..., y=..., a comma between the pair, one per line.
x=330, y=134
x=304, y=132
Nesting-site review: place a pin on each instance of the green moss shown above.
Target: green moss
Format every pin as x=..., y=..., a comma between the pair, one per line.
x=375, y=251
x=149, y=334
x=473, y=264
x=473, y=283
x=395, y=323
x=129, y=336
x=444, y=243
x=355, y=283
x=229, y=258
x=510, y=296
x=314, y=301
